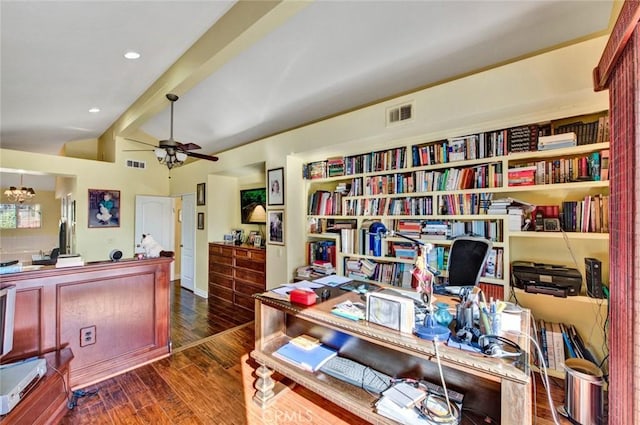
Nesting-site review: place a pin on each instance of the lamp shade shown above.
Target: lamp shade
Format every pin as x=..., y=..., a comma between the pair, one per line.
x=258, y=215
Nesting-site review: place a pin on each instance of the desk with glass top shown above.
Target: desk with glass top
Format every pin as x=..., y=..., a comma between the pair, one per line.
x=492, y=386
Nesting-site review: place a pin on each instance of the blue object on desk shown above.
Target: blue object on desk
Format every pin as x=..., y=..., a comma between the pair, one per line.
x=310, y=360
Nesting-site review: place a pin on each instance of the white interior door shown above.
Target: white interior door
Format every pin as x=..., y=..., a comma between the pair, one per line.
x=154, y=215
x=188, y=242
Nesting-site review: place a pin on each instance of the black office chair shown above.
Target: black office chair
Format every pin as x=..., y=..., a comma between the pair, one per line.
x=467, y=259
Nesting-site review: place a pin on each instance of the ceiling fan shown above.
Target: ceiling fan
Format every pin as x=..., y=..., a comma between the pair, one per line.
x=173, y=153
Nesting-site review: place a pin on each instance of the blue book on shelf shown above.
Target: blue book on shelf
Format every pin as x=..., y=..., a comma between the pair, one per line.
x=310, y=360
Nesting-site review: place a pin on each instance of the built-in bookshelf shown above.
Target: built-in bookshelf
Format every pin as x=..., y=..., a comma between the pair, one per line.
x=451, y=183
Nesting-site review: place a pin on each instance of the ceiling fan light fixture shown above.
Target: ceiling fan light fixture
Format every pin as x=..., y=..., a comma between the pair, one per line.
x=181, y=156
x=160, y=153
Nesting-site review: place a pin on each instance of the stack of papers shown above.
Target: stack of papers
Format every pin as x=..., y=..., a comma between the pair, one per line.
x=307, y=359
x=350, y=310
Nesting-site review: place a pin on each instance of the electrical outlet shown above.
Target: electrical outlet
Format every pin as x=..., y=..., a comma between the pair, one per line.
x=87, y=336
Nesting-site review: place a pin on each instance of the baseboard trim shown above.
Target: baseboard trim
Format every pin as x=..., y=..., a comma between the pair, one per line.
x=201, y=293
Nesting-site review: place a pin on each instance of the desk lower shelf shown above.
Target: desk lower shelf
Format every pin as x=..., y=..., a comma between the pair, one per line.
x=345, y=395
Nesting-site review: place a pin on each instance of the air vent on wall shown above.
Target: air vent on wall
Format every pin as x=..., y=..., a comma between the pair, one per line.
x=399, y=113
x=134, y=163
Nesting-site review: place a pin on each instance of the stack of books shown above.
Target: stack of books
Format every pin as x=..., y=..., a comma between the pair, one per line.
x=323, y=267
x=305, y=354
x=557, y=141
x=522, y=176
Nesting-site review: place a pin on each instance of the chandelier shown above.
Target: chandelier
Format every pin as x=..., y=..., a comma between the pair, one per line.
x=170, y=157
x=19, y=195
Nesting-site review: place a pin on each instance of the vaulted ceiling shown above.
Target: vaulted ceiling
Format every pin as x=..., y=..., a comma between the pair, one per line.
x=244, y=70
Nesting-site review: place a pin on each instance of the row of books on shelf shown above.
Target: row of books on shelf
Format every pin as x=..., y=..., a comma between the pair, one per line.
x=417, y=205
x=464, y=203
x=592, y=167
x=323, y=202
x=477, y=177
x=329, y=225
x=524, y=138
x=559, y=341
x=321, y=251
x=588, y=215
x=474, y=146
x=361, y=241
x=596, y=131
x=390, y=159
x=394, y=274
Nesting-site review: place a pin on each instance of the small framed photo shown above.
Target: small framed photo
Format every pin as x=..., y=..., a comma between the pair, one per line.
x=238, y=236
x=276, y=227
x=551, y=225
x=200, y=221
x=257, y=241
x=201, y=194
x=252, y=236
x=104, y=208
x=275, y=179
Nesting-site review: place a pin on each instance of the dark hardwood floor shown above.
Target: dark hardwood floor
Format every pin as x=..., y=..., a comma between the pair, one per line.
x=211, y=382
x=194, y=318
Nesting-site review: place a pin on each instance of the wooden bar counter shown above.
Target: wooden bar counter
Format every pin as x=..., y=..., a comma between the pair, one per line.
x=114, y=315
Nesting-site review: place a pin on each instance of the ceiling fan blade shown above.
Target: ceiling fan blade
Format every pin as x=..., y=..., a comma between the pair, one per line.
x=202, y=156
x=139, y=141
x=188, y=146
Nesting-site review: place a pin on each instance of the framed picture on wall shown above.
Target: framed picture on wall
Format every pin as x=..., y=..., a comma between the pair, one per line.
x=276, y=186
x=200, y=221
x=201, y=194
x=276, y=227
x=104, y=208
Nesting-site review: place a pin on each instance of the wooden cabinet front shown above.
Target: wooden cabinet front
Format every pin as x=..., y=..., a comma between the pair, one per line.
x=236, y=273
x=124, y=304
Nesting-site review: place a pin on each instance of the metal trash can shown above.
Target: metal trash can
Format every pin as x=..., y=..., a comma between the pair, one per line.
x=584, y=392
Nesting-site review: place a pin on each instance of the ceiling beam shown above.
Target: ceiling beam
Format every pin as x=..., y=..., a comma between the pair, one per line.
x=243, y=25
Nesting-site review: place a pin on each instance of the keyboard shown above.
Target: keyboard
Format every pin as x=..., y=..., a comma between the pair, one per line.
x=357, y=374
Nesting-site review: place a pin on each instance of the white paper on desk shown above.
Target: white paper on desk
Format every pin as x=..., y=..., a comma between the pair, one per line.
x=288, y=287
x=333, y=280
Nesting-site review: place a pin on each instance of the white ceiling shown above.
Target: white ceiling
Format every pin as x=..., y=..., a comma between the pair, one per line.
x=59, y=58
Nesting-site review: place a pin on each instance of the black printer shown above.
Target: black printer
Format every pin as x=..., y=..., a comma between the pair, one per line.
x=538, y=278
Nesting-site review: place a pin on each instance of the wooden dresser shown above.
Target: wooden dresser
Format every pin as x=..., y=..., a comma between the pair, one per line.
x=236, y=273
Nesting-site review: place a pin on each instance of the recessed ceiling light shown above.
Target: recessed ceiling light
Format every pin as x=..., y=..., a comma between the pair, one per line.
x=132, y=55
x=94, y=110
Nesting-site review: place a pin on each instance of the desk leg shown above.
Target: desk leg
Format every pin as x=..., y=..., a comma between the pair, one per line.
x=264, y=386
x=516, y=403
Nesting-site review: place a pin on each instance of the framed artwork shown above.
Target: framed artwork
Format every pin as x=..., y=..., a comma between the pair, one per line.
x=200, y=221
x=252, y=237
x=201, y=194
x=275, y=182
x=104, y=208
x=276, y=227
x=238, y=236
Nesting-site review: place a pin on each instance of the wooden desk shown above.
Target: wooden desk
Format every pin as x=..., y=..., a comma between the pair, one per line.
x=46, y=403
x=494, y=387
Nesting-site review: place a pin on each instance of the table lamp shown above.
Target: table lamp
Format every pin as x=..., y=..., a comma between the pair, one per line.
x=424, y=275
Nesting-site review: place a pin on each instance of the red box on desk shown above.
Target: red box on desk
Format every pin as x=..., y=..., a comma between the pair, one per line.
x=300, y=296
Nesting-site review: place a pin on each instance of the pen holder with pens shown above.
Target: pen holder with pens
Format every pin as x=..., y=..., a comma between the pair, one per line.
x=490, y=322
